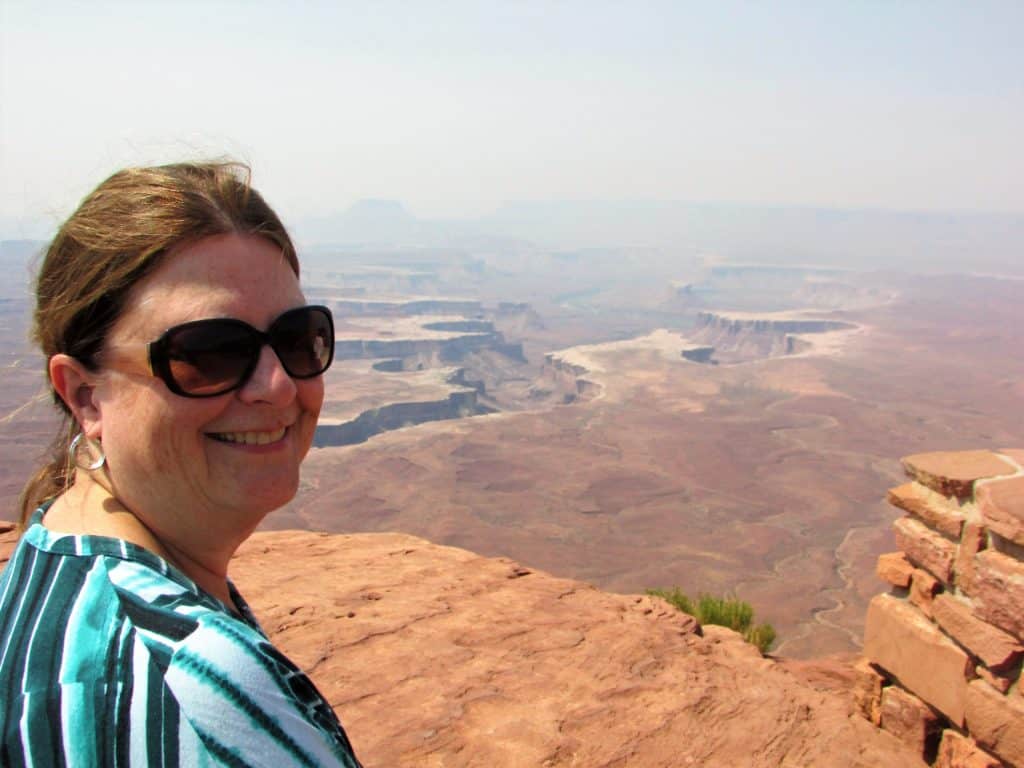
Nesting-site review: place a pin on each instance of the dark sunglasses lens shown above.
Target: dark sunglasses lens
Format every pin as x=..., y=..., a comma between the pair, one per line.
x=211, y=357
x=304, y=341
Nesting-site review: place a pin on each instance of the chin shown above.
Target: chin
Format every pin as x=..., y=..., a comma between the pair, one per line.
x=266, y=498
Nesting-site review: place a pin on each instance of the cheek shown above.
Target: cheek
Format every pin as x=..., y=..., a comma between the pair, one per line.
x=124, y=410
x=311, y=395
x=155, y=428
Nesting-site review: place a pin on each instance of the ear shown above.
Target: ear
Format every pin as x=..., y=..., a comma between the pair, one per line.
x=76, y=386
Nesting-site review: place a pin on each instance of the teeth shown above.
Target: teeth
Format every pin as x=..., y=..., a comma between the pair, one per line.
x=251, y=438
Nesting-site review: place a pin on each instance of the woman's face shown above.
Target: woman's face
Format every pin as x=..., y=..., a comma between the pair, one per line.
x=203, y=472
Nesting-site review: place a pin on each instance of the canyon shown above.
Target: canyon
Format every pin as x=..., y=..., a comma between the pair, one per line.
x=733, y=430
x=507, y=460
x=628, y=465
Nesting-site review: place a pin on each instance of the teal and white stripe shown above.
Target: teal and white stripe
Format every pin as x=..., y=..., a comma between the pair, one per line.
x=110, y=656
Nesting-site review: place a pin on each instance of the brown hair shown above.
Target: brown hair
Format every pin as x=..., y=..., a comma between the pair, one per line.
x=118, y=235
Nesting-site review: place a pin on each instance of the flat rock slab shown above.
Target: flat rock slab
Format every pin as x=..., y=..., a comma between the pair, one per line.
x=952, y=473
x=903, y=642
x=435, y=656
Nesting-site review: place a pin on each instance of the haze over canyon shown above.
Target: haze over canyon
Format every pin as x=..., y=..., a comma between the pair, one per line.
x=702, y=414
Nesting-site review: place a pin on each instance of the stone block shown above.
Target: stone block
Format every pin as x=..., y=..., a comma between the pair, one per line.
x=933, y=508
x=996, y=722
x=1002, y=507
x=909, y=719
x=867, y=691
x=972, y=542
x=956, y=751
x=926, y=548
x=894, y=568
x=996, y=649
x=900, y=640
x=923, y=588
x=952, y=473
x=1000, y=682
x=1016, y=454
x=997, y=589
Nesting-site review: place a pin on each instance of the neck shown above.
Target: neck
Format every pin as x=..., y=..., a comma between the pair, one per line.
x=88, y=507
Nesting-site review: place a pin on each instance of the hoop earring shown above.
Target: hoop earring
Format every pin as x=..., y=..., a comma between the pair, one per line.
x=73, y=453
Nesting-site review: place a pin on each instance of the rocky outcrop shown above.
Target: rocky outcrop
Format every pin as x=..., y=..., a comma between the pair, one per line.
x=434, y=656
x=570, y=380
x=734, y=324
x=948, y=641
x=739, y=337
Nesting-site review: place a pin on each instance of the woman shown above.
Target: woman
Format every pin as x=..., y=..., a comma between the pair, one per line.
x=188, y=369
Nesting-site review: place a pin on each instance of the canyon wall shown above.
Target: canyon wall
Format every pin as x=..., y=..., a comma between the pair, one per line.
x=450, y=349
x=567, y=379
x=457, y=405
x=735, y=324
x=739, y=337
x=943, y=649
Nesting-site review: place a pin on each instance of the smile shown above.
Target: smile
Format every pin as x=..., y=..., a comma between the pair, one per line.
x=250, y=438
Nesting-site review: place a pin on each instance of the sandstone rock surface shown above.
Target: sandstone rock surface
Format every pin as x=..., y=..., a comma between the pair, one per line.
x=908, y=718
x=1002, y=506
x=956, y=751
x=926, y=548
x=867, y=691
x=952, y=473
x=995, y=648
x=996, y=722
x=1015, y=454
x=434, y=656
x=923, y=588
x=998, y=586
x=894, y=568
x=971, y=543
x=935, y=509
x=900, y=640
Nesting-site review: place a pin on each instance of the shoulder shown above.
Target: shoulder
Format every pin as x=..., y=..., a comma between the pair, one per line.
x=128, y=654
x=241, y=694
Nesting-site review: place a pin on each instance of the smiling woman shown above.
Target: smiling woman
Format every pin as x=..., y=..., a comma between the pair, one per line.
x=189, y=370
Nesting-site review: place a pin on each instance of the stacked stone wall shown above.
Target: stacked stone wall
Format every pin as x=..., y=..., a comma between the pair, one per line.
x=943, y=649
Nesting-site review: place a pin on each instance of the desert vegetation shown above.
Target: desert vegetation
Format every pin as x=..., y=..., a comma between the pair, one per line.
x=728, y=611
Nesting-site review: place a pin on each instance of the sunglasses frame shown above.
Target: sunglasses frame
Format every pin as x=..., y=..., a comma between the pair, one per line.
x=160, y=360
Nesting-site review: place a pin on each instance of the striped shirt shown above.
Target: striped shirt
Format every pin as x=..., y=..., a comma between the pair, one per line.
x=109, y=656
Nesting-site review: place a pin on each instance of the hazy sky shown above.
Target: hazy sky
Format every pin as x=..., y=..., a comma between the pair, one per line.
x=455, y=107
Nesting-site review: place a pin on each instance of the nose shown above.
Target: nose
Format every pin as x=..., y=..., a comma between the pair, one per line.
x=270, y=382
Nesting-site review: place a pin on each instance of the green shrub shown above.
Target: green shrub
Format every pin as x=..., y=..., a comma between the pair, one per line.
x=726, y=611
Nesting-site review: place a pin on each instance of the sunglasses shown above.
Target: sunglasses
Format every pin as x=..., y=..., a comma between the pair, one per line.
x=206, y=358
